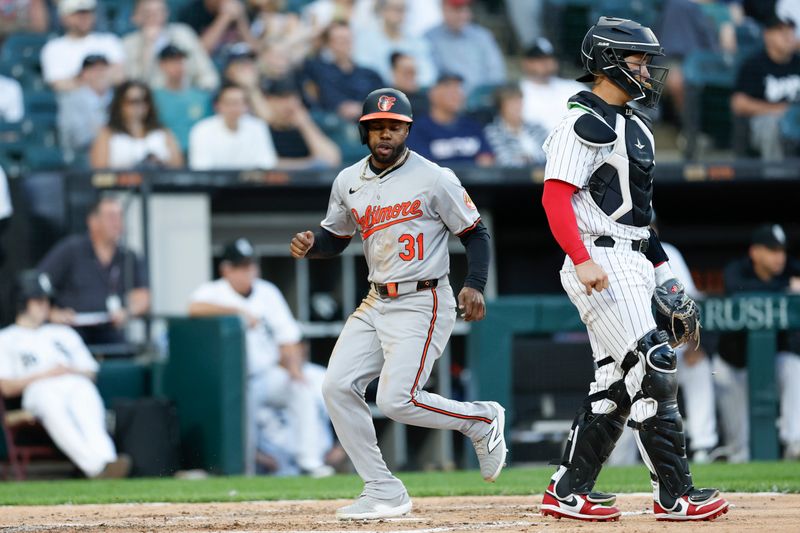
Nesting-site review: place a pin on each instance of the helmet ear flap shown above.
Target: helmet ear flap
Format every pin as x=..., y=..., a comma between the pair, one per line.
x=362, y=131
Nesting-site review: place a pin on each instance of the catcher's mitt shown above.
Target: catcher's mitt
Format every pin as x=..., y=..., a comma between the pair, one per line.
x=676, y=313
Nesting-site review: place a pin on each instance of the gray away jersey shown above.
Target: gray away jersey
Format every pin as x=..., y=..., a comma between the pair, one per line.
x=404, y=218
x=570, y=160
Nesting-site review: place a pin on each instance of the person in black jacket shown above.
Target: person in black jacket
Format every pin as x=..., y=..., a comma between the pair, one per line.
x=767, y=269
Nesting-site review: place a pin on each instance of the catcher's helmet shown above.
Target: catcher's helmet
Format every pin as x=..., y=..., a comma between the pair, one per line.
x=605, y=47
x=384, y=103
x=31, y=284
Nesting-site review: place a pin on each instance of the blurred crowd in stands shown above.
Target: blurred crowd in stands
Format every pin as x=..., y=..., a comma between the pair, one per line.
x=260, y=84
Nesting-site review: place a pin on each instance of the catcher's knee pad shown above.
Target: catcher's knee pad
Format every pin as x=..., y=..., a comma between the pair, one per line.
x=591, y=441
x=660, y=429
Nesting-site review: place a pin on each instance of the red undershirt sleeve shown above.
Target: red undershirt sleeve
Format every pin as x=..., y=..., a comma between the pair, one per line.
x=557, y=202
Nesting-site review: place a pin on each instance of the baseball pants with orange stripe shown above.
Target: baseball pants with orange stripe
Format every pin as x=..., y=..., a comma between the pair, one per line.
x=398, y=340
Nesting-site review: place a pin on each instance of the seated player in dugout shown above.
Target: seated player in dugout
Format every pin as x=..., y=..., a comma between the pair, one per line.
x=405, y=207
x=50, y=367
x=598, y=200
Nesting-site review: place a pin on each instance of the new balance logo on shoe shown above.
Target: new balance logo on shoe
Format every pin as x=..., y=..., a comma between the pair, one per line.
x=495, y=437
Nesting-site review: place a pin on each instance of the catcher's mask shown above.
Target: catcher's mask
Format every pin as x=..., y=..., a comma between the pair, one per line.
x=384, y=103
x=603, y=52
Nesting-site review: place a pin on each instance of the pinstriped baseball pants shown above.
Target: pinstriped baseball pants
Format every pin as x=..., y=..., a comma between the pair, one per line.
x=398, y=339
x=615, y=318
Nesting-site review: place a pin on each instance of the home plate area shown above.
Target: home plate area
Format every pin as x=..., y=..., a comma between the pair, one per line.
x=749, y=512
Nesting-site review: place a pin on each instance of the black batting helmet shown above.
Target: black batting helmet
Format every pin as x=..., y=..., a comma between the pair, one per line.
x=384, y=103
x=603, y=52
x=32, y=285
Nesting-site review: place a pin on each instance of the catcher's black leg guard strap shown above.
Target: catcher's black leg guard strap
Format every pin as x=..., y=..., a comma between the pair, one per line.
x=591, y=441
x=662, y=434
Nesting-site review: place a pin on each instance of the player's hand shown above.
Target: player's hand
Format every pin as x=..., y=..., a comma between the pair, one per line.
x=471, y=304
x=301, y=244
x=592, y=276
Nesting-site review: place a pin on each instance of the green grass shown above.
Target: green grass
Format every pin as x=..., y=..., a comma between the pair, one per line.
x=752, y=477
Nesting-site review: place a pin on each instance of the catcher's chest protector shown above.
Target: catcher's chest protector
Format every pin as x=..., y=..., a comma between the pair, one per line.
x=622, y=187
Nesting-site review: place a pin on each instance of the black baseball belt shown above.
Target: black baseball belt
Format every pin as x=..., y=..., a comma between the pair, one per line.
x=393, y=290
x=605, y=241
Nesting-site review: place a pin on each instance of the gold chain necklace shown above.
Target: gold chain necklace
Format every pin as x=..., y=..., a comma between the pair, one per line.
x=400, y=160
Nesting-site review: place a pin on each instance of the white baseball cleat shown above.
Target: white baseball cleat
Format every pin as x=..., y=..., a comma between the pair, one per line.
x=369, y=508
x=491, y=448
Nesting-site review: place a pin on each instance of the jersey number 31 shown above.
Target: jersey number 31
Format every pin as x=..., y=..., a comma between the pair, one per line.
x=409, y=241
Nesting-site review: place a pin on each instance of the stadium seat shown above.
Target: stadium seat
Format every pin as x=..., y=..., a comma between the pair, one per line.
x=709, y=79
x=43, y=101
x=12, y=138
x=23, y=47
x=42, y=157
x=25, y=438
x=480, y=103
x=344, y=134
x=40, y=128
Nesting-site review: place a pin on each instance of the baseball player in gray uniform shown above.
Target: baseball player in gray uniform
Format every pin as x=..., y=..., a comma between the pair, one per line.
x=598, y=200
x=405, y=208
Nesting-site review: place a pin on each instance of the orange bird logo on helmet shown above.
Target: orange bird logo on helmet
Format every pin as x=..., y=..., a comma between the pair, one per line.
x=385, y=103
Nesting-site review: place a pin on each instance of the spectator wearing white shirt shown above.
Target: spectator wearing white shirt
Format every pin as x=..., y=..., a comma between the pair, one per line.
x=231, y=139
x=63, y=56
x=51, y=368
x=12, y=107
x=134, y=136
x=278, y=377
x=544, y=94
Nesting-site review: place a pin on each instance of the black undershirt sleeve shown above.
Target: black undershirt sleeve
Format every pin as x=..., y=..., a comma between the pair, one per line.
x=655, y=252
x=327, y=244
x=476, y=243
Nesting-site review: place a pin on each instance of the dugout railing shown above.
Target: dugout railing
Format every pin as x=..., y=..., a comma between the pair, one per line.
x=762, y=316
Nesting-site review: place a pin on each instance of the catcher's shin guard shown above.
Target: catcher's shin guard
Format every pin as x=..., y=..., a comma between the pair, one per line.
x=658, y=423
x=591, y=441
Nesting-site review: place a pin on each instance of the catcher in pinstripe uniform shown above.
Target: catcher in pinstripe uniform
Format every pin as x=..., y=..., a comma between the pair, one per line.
x=598, y=199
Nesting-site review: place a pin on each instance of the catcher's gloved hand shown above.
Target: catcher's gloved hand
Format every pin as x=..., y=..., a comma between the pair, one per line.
x=676, y=313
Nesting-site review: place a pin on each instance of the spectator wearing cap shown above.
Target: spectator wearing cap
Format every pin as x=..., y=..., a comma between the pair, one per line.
x=63, y=56
x=375, y=45
x=82, y=112
x=460, y=46
x=143, y=46
x=99, y=284
x=445, y=135
x=51, y=368
x=241, y=69
x=219, y=23
x=231, y=139
x=278, y=374
x=179, y=107
x=544, y=93
x=134, y=136
x=766, y=269
x=298, y=141
x=515, y=143
x=333, y=81
x=766, y=85
x=404, y=78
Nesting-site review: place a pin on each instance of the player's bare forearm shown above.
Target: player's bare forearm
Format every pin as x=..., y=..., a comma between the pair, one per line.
x=471, y=304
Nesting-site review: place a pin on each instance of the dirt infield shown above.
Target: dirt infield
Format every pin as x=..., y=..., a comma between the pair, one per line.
x=749, y=512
